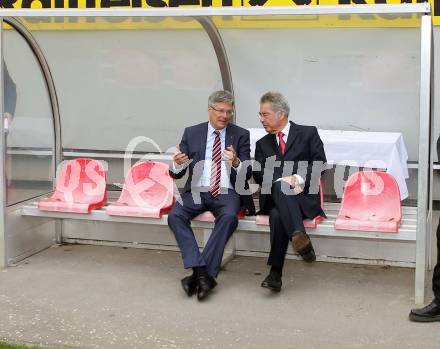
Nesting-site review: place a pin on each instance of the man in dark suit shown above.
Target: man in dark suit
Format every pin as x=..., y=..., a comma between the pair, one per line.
x=431, y=312
x=213, y=153
x=289, y=162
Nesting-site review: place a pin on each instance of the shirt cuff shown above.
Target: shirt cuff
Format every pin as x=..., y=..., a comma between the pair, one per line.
x=176, y=168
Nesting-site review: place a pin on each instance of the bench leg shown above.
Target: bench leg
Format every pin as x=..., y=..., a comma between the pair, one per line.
x=59, y=231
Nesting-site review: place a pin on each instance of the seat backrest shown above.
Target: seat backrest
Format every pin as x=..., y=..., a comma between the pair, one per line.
x=148, y=184
x=81, y=181
x=371, y=195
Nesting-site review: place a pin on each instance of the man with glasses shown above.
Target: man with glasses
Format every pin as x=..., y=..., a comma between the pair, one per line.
x=213, y=153
x=289, y=163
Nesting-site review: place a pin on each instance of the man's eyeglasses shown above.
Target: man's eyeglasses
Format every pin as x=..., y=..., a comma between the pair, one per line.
x=266, y=116
x=223, y=111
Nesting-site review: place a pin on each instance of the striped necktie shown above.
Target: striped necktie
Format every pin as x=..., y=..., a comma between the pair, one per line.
x=216, y=165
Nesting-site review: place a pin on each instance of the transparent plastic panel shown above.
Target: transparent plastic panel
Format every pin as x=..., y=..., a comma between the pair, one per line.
x=359, y=73
x=118, y=79
x=29, y=122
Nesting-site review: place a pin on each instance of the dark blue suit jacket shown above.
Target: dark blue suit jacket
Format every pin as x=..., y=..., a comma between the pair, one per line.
x=193, y=144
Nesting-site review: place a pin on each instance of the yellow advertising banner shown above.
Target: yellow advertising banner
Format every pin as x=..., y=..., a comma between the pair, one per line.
x=404, y=20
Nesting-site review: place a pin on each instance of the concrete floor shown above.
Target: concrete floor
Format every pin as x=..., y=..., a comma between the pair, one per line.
x=106, y=297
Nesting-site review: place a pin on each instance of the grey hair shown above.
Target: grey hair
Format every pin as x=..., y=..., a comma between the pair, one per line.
x=221, y=97
x=279, y=102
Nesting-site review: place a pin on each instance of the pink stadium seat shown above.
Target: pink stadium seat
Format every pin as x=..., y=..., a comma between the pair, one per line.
x=80, y=188
x=207, y=216
x=147, y=192
x=308, y=223
x=371, y=202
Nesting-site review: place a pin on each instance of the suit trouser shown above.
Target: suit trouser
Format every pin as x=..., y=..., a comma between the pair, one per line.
x=225, y=208
x=285, y=218
x=436, y=276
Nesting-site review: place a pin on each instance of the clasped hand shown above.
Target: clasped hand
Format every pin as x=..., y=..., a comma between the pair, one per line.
x=230, y=156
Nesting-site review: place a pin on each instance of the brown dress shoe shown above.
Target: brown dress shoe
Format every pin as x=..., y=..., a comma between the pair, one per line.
x=303, y=246
x=310, y=256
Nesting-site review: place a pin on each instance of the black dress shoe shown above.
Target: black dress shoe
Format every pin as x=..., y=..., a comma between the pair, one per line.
x=429, y=313
x=205, y=285
x=189, y=285
x=272, y=282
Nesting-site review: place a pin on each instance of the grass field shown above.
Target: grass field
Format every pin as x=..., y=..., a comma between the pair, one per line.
x=4, y=345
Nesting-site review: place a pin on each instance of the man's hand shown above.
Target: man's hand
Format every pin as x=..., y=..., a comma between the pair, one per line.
x=8, y=116
x=291, y=180
x=180, y=158
x=294, y=183
x=230, y=156
x=7, y=119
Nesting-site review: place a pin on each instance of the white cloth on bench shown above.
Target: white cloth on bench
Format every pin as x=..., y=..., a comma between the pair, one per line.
x=384, y=150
